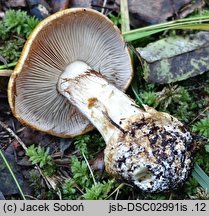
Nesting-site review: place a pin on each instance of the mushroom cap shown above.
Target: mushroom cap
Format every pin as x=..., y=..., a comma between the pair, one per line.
x=65, y=37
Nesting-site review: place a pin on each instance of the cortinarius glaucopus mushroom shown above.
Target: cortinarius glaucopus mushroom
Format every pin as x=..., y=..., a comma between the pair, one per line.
x=78, y=57
x=66, y=37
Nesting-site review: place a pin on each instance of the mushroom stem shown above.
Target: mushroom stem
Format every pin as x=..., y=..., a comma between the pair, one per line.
x=96, y=98
x=151, y=149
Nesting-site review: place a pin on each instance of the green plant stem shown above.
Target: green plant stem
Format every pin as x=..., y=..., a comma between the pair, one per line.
x=8, y=65
x=125, y=24
x=13, y=176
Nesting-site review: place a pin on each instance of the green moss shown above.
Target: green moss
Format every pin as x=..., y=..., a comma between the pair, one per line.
x=14, y=30
x=99, y=191
x=202, y=127
x=41, y=156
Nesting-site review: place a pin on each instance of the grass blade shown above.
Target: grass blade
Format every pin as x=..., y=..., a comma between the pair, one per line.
x=207, y=148
x=12, y=174
x=195, y=23
x=13, y=64
x=201, y=176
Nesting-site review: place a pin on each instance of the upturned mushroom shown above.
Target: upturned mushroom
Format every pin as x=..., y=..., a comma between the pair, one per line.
x=76, y=61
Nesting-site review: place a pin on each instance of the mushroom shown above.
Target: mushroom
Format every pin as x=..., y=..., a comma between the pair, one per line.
x=69, y=36
x=76, y=60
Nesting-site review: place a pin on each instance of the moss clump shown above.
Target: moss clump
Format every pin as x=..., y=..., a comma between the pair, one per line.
x=14, y=30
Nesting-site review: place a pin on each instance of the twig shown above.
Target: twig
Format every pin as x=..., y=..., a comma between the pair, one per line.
x=12, y=133
x=5, y=73
x=206, y=109
x=116, y=190
x=31, y=197
x=103, y=7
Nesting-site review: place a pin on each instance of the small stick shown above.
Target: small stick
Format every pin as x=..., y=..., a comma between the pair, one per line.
x=12, y=133
x=207, y=108
x=125, y=23
x=103, y=7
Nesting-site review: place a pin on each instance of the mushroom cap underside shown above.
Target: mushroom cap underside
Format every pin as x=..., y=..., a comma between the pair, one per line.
x=59, y=40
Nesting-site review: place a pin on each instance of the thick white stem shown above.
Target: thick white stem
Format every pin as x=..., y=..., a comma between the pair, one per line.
x=102, y=103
